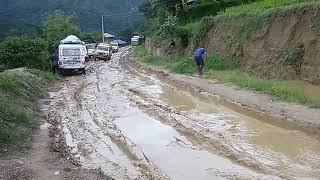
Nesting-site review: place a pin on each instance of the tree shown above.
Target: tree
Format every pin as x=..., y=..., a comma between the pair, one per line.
x=57, y=26
x=126, y=34
x=24, y=52
x=91, y=37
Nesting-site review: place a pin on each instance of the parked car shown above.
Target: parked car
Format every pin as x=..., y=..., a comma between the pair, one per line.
x=103, y=52
x=72, y=54
x=91, y=48
x=115, y=46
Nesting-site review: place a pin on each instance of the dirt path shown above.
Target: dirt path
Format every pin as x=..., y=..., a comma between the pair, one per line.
x=302, y=116
x=130, y=123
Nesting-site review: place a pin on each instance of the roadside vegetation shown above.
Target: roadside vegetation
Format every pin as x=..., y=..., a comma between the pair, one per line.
x=25, y=75
x=226, y=70
x=187, y=25
x=20, y=90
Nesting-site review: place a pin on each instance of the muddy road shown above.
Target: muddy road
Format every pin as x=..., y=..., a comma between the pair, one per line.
x=131, y=124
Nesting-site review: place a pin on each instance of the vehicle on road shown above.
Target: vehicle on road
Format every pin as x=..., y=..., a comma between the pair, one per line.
x=91, y=48
x=72, y=55
x=103, y=52
x=115, y=46
x=135, y=40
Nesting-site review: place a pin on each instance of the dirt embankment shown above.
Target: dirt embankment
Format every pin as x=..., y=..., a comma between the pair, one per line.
x=285, y=47
x=239, y=99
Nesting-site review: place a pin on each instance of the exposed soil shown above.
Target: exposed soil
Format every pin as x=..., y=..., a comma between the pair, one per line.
x=262, y=105
x=263, y=53
x=124, y=120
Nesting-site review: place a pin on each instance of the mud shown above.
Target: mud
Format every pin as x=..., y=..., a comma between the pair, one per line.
x=263, y=143
x=126, y=122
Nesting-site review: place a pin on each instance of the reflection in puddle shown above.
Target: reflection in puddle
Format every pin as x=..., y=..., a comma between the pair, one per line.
x=268, y=139
x=173, y=153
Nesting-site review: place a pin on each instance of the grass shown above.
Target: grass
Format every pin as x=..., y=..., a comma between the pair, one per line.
x=185, y=65
x=225, y=70
x=20, y=91
x=253, y=17
x=140, y=51
x=260, y=7
x=280, y=89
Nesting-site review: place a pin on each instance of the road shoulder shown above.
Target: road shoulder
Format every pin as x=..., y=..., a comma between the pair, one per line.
x=267, y=105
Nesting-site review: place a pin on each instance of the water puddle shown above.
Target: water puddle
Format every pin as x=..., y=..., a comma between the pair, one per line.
x=173, y=153
x=270, y=140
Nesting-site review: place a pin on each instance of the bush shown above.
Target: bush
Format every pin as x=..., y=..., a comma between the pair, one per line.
x=24, y=52
x=140, y=51
x=293, y=57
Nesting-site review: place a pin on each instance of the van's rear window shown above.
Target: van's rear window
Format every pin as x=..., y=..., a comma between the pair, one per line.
x=71, y=52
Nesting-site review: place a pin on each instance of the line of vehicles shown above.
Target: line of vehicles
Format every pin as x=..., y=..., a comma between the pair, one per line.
x=74, y=53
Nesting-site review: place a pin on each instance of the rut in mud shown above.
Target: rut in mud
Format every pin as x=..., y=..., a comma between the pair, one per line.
x=133, y=125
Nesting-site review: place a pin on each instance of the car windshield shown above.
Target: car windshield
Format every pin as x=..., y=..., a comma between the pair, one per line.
x=71, y=52
x=90, y=46
x=103, y=48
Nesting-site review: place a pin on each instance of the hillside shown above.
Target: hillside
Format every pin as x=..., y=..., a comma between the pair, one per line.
x=257, y=36
x=268, y=46
x=21, y=16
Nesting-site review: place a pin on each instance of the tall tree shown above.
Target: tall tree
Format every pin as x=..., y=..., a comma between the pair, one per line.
x=57, y=26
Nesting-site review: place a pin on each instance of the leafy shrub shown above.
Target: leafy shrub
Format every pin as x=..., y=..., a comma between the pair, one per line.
x=184, y=65
x=24, y=52
x=293, y=56
x=140, y=51
x=216, y=62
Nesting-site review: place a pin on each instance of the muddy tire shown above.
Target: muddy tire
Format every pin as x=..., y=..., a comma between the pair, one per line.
x=83, y=71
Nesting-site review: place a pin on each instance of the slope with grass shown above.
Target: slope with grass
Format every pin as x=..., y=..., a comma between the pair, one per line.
x=20, y=90
x=227, y=70
x=270, y=39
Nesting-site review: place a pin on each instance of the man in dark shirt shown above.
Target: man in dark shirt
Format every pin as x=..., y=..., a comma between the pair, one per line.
x=198, y=57
x=54, y=62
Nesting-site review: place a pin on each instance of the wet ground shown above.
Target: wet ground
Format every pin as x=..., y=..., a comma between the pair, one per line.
x=131, y=124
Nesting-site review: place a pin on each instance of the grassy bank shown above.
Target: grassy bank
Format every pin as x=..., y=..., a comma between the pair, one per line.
x=226, y=70
x=20, y=90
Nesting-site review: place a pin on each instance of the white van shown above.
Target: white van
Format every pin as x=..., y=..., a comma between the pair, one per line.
x=72, y=57
x=135, y=40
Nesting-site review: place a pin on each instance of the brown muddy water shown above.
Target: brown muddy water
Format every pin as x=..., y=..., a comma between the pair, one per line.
x=274, y=141
x=133, y=125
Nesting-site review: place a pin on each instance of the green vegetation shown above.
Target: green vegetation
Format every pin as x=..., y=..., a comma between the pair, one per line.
x=34, y=52
x=22, y=17
x=293, y=57
x=284, y=91
x=57, y=26
x=141, y=51
x=224, y=16
x=186, y=65
x=224, y=70
x=20, y=90
x=253, y=17
x=24, y=52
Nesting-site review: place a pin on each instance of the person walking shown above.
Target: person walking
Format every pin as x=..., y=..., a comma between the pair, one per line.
x=198, y=57
x=54, y=62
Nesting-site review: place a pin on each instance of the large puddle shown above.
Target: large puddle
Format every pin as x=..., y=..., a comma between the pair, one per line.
x=271, y=141
x=173, y=153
